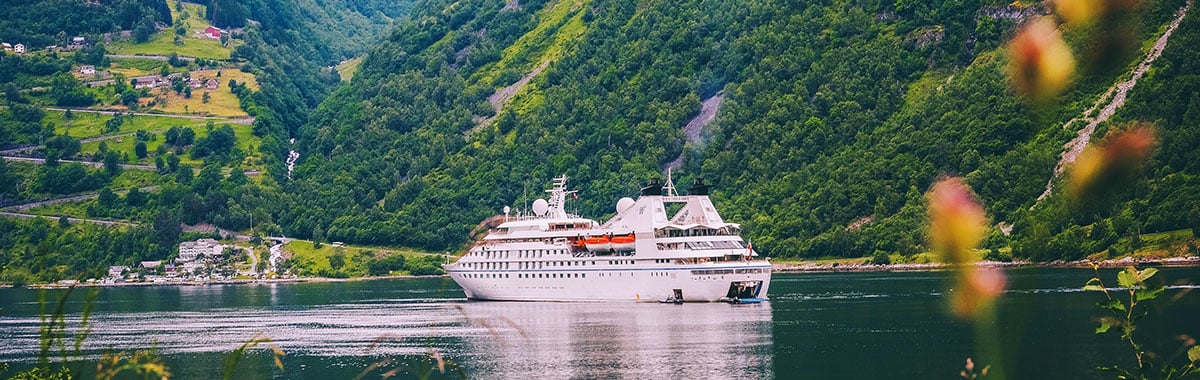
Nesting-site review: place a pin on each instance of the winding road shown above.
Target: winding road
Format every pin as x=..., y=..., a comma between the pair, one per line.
x=40, y=161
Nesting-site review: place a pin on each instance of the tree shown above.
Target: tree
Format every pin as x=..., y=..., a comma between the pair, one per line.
x=318, y=236
x=130, y=98
x=172, y=162
x=112, y=164
x=144, y=29
x=184, y=175
x=8, y=181
x=139, y=149
x=106, y=199
x=114, y=124
x=205, y=98
x=337, y=259
x=174, y=60
x=135, y=198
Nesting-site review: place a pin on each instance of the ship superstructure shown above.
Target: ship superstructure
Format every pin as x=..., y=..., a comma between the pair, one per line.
x=660, y=247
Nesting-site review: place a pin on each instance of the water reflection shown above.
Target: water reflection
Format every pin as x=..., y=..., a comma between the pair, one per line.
x=490, y=339
x=599, y=340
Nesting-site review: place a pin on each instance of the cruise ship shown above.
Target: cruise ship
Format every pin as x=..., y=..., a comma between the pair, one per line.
x=661, y=247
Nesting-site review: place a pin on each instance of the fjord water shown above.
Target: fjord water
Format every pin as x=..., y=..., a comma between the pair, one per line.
x=817, y=325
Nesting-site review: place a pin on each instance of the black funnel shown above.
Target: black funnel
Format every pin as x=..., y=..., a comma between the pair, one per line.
x=654, y=188
x=698, y=187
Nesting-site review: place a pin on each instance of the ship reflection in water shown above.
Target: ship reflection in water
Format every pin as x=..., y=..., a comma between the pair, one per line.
x=605, y=340
x=334, y=330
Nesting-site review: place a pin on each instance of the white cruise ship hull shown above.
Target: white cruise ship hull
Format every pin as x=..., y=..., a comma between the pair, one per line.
x=700, y=283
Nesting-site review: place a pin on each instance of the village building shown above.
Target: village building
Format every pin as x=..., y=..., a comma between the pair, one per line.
x=190, y=251
x=116, y=271
x=19, y=48
x=212, y=32
x=88, y=70
x=77, y=43
x=211, y=84
x=151, y=81
x=7, y=46
x=151, y=264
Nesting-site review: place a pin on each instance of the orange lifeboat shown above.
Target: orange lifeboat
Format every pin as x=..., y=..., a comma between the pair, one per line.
x=598, y=243
x=623, y=242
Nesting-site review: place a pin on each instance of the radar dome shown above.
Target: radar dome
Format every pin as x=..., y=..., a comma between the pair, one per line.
x=540, y=207
x=624, y=204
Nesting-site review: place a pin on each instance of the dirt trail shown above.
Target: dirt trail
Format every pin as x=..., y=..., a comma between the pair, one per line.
x=1112, y=100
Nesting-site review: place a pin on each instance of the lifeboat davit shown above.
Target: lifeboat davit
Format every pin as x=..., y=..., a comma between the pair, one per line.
x=598, y=244
x=623, y=242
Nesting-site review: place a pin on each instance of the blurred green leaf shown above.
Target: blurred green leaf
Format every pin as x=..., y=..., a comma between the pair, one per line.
x=1148, y=294
x=1127, y=278
x=1194, y=354
x=1113, y=304
x=1106, y=323
x=1145, y=274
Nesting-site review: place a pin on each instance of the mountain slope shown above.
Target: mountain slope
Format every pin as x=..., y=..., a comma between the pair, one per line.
x=837, y=116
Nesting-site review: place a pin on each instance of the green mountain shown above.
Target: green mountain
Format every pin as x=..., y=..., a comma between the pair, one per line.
x=834, y=118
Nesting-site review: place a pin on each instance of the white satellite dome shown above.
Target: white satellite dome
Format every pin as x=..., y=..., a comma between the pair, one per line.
x=624, y=204
x=540, y=207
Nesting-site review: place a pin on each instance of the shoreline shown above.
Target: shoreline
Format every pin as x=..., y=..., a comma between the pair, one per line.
x=1190, y=261
x=296, y=280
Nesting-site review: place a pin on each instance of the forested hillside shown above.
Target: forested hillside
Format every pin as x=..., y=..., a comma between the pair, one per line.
x=39, y=23
x=835, y=117
x=160, y=170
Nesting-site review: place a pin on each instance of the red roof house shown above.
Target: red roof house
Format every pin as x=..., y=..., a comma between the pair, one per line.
x=212, y=32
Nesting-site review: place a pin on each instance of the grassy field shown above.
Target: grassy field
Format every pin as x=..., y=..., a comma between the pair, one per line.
x=163, y=42
x=314, y=260
x=86, y=124
x=348, y=68
x=246, y=141
x=222, y=101
x=136, y=67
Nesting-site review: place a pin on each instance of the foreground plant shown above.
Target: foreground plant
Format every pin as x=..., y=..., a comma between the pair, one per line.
x=957, y=223
x=1125, y=312
x=54, y=336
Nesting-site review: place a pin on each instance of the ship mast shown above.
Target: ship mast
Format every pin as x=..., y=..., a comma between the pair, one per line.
x=669, y=188
x=558, y=198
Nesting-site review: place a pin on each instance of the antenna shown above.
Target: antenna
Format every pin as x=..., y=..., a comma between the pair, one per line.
x=670, y=186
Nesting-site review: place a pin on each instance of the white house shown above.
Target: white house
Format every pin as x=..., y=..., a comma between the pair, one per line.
x=151, y=264
x=190, y=251
x=7, y=46
x=87, y=70
x=77, y=43
x=19, y=48
x=115, y=271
